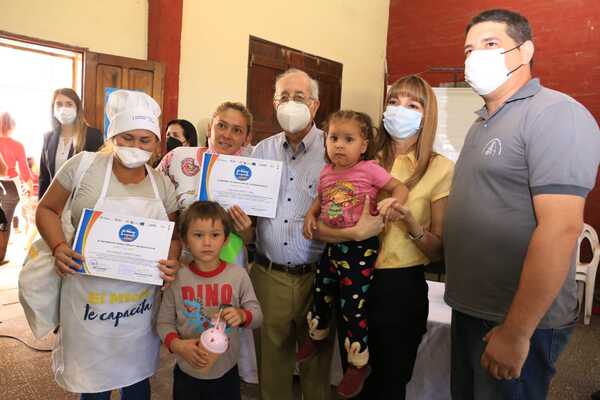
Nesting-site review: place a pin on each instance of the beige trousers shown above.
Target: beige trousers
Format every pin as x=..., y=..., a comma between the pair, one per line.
x=285, y=300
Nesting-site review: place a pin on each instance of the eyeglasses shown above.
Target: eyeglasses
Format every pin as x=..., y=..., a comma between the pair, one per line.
x=284, y=98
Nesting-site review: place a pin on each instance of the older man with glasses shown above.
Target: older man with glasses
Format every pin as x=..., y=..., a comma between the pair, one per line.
x=285, y=262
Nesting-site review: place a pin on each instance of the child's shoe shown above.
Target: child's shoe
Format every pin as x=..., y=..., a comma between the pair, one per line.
x=353, y=381
x=311, y=345
x=307, y=350
x=357, y=372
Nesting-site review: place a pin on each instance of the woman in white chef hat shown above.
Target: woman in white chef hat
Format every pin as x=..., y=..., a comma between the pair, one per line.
x=106, y=338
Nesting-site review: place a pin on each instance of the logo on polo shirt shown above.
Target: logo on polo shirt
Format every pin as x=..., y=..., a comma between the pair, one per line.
x=493, y=148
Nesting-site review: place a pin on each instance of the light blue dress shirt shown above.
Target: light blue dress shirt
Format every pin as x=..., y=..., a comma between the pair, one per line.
x=280, y=238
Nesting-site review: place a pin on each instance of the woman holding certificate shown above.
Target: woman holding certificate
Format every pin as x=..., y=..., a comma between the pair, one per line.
x=106, y=337
x=229, y=133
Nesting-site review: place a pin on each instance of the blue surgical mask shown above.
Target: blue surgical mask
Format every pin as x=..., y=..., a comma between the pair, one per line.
x=401, y=122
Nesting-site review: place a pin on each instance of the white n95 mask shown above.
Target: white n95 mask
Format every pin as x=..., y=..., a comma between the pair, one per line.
x=132, y=157
x=293, y=116
x=485, y=70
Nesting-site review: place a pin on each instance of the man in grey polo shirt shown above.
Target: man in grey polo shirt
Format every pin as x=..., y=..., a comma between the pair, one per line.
x=283, y=271
x=514, y=214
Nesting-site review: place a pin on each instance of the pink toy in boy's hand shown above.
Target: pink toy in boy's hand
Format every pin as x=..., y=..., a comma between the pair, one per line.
x=214, y=339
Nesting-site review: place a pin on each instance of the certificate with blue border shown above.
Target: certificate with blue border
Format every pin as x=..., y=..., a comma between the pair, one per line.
x=122, y=247
x=251, y=183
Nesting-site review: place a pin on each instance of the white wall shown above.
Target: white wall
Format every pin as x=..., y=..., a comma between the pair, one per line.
x=118, y=27
x=456, y=113
x=215, y=37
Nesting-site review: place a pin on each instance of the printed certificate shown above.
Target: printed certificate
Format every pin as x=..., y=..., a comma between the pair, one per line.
x=251, y=183
x=122, y=247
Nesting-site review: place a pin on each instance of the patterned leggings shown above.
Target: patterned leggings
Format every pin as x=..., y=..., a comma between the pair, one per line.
x=345, y=271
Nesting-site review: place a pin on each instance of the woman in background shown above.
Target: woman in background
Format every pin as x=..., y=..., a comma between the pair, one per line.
x=3, y=221
x=70, y=134
x=13, y=154
x=181, y=132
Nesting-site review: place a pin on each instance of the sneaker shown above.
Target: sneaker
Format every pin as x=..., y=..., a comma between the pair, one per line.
x=307, y=350
x=353, y=381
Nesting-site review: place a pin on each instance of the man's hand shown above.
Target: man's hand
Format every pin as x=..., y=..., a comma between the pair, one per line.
x=190, y=351
x=505, y=353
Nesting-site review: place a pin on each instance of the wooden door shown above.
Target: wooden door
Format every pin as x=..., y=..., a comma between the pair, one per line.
x=266, y=60
x=102, y=71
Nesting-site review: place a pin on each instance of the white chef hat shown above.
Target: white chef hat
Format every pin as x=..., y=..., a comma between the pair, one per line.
x=128, y=110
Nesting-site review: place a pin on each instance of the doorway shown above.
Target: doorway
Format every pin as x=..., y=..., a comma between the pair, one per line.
x=29, y=74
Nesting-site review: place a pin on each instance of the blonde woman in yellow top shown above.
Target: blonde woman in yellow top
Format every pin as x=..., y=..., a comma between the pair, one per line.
x=398, y=304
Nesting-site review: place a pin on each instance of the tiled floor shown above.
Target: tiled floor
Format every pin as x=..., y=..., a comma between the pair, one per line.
x=25, y=374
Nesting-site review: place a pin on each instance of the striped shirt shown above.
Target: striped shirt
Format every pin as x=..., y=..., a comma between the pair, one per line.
x=280, y=238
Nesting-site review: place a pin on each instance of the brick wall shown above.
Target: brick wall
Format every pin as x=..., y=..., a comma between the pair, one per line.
x=430, y=33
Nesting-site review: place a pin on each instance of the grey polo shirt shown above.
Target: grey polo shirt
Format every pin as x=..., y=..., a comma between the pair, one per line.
x=539, y=142
x=281, y=238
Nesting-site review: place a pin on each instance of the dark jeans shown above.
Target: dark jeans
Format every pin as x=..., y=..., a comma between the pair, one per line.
x=398, y=309
x=186, y=387
x=469, y=381
x=9, y=198
x=137, y=391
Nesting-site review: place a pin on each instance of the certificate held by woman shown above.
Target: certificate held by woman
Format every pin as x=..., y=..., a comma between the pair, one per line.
x=122, y=247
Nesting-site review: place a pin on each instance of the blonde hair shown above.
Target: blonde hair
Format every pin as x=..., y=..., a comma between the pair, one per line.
x=7, y=124
x=231, y=105
x=80, y=123
x=417, y=89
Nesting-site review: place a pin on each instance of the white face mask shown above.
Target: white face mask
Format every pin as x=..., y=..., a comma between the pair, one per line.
x=401, y=122
x=486, y=71
x=132, y=157
x=293, y=116
x=65, y=115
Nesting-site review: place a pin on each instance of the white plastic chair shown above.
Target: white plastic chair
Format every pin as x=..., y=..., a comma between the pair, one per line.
x=586, y=272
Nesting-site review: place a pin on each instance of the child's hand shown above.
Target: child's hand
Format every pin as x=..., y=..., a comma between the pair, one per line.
x=310, y=226
x=168, y=270
x=394, y=211
x=190, y=351
x=387, y=209
x=234, y=316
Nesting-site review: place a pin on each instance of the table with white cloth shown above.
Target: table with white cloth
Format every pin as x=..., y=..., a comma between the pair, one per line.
x=431, y=375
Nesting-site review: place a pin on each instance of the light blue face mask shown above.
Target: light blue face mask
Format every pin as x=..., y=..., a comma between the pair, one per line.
x=401, y=122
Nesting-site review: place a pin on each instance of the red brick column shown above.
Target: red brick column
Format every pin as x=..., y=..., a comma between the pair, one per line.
x=164, y=45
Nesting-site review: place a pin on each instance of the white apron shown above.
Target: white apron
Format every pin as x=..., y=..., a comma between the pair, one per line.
x=98, y=349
